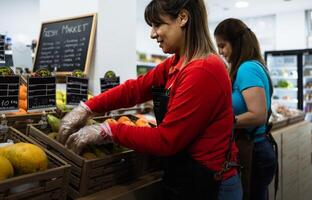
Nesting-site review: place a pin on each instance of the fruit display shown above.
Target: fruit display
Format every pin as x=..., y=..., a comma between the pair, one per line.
x=110, y=74
x=22, y=101
x=25, y=158
x=78, y=73
x=281, y=112
x=28, y=171
x=308, y=85
x=92, y=151
x=61, y=100
x=54, y=122
x=284, y=84
x=43, y=72
x=102, y=166
x=6, y=168
x=6, y=71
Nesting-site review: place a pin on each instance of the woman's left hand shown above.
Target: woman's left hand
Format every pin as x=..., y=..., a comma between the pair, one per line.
x=94, y=134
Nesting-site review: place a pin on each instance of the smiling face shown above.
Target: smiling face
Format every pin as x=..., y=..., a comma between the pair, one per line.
x=225, y=48
x=169, y=35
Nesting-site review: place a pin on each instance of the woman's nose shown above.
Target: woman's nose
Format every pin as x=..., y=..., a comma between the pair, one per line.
x=220, y=51
x=153, y=33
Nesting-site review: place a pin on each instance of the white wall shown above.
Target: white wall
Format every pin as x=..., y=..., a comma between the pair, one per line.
x=115, y=43
x=279, y=31
x=291, y=30
x=258, y=25
x=20, y=19
x=57, y=9
x=144, y=43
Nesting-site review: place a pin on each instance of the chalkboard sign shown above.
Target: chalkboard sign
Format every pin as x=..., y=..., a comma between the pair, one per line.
x=66, y=45
x=9, y=87
x=107, y=83
x=76, y=90
x=2, y=49
x=41, y=93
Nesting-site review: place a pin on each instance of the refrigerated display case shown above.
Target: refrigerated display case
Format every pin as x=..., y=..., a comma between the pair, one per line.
x=283, y=67
x=291, y=73
x=307, y=84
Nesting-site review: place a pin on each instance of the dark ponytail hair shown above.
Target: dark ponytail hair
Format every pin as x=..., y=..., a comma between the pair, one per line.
x=244, y=43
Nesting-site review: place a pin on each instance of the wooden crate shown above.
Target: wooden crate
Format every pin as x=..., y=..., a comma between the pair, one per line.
x=20, y=122
x=280, y=124
x=297, y=118
x=147, y=163
x=49, y=184
x=89, y=176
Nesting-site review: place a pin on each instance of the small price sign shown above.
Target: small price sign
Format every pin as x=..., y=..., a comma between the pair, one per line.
x=41, y=93
x=9, y=89
x=76, y=90
x=109, y=82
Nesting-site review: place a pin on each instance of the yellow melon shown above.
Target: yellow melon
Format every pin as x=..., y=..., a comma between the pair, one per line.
x=25, y=158
x=6, y=168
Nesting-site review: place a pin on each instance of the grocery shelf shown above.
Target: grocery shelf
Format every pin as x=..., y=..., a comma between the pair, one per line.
x=284, y=77
x=307, y=77
x=150, y=64
x=286, y=101
x=8, y=52
x=282, y=67
x=307, y=89
x=309, y=101
x=307, y=66
x=285, y=89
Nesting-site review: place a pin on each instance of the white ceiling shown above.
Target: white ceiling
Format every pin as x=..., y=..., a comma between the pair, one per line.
x=218, y=10
x=221, y=9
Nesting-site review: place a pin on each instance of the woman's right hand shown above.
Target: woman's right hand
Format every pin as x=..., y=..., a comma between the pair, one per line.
x=73, y=121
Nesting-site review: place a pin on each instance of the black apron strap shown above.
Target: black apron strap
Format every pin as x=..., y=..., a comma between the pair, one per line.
x=271, y=138
x=184, y=178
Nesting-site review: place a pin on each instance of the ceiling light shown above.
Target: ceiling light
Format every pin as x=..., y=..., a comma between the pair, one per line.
x=241, y=4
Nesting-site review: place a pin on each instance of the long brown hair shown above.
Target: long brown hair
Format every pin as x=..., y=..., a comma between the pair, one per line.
x=198, y=41
x=244, y=43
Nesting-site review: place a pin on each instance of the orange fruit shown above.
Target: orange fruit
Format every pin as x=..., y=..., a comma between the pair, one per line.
x=111, y=121
x=129, y=123
x=123, y=119
x=142, y=123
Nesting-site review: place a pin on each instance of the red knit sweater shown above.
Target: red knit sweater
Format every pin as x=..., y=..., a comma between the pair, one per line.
x=199, y=117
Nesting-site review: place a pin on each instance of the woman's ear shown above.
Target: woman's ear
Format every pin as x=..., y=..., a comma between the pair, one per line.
x=183, y=17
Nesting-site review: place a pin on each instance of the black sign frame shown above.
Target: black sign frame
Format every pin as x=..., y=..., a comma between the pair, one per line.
x=76, y=90
x=9, y=93
x=41, y=93
x=56, y=55
x=108, y=83
x=2, y=49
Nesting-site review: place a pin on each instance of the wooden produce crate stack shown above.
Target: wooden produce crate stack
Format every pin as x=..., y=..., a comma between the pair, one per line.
x=146, y=163
x=49, y=184
x=91, y=175
x=20, y=122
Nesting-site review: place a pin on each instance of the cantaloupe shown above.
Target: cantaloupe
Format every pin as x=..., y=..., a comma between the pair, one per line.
x=25, y=158
x=6, y=168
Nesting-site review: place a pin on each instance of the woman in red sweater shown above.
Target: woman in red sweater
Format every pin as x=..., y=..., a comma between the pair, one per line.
x=192, y=98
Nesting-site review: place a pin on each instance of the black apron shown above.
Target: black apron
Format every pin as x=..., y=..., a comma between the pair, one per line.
x=184, y=178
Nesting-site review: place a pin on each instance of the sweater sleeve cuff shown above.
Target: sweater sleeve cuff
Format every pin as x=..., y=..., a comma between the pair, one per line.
x=114, y=132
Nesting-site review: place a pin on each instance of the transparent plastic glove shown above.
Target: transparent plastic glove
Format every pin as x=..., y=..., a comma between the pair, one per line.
x=73, y=121
x=95, y=134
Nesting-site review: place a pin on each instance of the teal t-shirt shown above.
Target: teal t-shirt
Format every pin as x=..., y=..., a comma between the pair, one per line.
x=250, y=74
